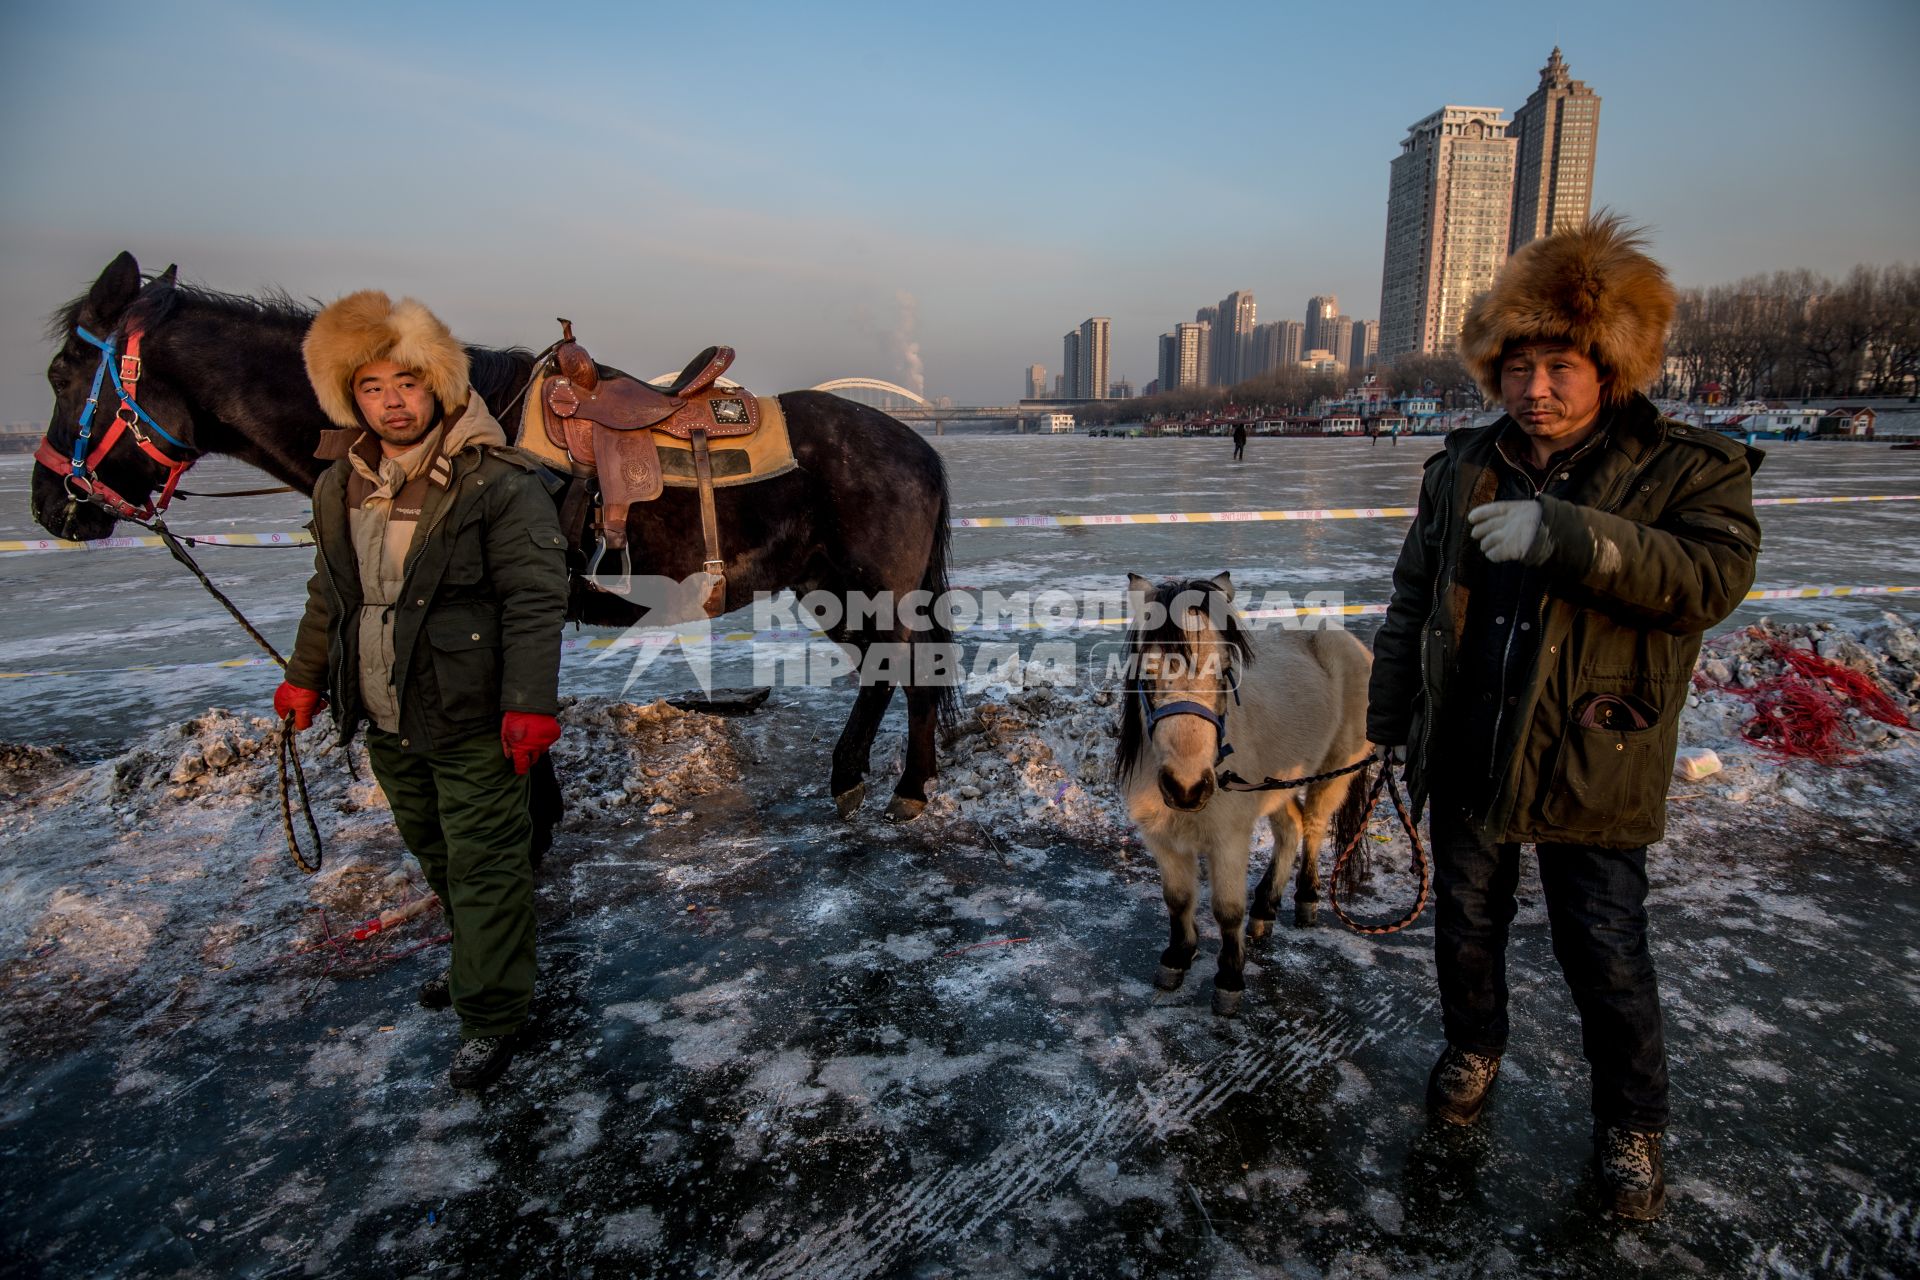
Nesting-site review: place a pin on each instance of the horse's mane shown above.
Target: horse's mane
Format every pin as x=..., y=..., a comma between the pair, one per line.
x=274, y=307
x=497, y=373
x=1167, y=635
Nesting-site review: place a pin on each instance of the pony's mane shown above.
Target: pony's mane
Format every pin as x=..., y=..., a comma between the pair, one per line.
x=1167, y=636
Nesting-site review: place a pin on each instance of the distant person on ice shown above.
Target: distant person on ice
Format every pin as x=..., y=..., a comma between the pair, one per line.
x=1239, y=441
x=434, y=613
x=1547, y=609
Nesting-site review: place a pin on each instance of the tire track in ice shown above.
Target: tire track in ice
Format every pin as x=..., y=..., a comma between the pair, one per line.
x=957, y=1201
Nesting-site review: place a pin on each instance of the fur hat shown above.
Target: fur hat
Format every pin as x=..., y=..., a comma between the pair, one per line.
x=1591, y=287
x=367, y=326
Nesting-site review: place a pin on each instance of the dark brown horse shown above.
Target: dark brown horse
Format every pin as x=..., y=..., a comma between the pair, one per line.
x=864, y=511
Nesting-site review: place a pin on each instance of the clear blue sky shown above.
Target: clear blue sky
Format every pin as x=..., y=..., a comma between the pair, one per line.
x=821, y=184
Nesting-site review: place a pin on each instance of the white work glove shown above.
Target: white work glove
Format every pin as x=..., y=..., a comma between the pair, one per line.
x=1511, y=531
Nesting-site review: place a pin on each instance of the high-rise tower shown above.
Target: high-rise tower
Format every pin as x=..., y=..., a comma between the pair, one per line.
x=1554, y=133
x=1449, y=201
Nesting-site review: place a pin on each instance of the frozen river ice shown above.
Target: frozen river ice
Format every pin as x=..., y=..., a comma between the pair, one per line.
x=100, y=612
x=772, y=1044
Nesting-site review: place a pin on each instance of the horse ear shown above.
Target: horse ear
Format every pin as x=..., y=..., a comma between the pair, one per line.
x=117, y=286
x=156, y=299
x=1224, y=582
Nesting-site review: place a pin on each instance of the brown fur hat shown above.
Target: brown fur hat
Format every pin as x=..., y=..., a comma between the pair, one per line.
x=1591, y=287
x=367, y=326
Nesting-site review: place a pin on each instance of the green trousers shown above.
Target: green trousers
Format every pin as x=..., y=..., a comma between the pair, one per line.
x=463, y=812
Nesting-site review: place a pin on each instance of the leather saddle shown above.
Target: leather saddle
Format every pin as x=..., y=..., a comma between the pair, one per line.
x=605, y=421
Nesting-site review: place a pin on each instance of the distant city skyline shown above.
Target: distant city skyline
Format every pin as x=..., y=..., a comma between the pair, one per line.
x=866, y=201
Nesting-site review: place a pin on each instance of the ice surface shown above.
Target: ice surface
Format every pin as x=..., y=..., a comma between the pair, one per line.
x=769, y=1043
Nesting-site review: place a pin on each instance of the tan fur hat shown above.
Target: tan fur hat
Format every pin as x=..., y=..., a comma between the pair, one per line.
x=367, y=326
x=1592, y=287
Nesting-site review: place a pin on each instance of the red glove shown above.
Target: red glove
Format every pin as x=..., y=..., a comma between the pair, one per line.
x=302, y=704
x=525, y=735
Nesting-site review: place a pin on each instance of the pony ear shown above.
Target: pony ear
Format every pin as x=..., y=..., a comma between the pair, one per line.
x=1139, y=599
x=117, y=286
x=1224, y=583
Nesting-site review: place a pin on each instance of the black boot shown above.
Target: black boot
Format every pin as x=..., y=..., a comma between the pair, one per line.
x=1631, y=1171
x=437, y=992
x=480, y=1061
x=1457, y=1087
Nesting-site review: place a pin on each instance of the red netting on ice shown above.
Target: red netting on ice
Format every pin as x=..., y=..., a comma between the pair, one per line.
x=1801, y=712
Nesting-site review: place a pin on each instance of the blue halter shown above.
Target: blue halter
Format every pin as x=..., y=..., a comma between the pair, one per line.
x=110, y=366
x=1185, y=707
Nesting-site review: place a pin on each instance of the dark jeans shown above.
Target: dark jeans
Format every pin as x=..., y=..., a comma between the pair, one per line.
x=1597, y=906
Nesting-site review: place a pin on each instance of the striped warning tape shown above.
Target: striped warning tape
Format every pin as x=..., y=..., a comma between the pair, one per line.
x=667, y=638
x=18, y=546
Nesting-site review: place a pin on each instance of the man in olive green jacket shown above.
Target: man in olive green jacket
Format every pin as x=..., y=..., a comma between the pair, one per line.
x=1547, y=608
x=434, y=613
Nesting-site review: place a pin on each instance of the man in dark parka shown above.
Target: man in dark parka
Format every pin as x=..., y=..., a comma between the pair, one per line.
x=1547, y=609
x=434, y=613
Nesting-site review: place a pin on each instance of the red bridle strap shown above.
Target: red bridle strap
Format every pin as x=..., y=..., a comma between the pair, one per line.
x=125, y=422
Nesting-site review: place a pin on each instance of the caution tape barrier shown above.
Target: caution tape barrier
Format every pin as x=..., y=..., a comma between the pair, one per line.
x=22, y=546
x=693, y=638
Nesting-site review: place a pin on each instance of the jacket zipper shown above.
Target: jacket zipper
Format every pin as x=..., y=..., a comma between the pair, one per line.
x=1433, y=612
x=339, y=601
x=1614, y=500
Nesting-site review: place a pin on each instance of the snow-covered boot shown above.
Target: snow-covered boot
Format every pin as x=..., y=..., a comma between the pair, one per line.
x=480, y=1061
x=1631, y=1171
x=1458, y=1086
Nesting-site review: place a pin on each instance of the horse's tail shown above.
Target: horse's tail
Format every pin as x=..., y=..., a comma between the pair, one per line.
x=934, y=582
x=1350, y=827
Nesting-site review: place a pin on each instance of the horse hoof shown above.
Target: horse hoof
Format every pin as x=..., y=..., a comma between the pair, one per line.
x=901, y=809
x=1258, y=928
x=848, y=802
x=1306, y=914
x=1226, y=1003
x=1169, y=979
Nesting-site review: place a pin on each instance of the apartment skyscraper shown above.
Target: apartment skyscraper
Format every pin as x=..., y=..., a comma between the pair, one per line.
x=1340, y=331
x=1233, y=338
x=1168, y=377
x=1366, y=341
x=1554, y=133
x=1320, y=311
x=1449, y=203
x=1036, y=382
x=1094, y=348
x=1070, y=365
x=1192, y=351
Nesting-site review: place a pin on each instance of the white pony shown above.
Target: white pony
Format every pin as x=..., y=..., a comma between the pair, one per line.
x=1194, y=695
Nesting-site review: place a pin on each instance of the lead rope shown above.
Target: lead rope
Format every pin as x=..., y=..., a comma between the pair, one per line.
x=1418, y=865
x=292, y=775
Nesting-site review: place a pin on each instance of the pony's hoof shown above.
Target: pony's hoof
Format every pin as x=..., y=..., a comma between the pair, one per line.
x=901, y=809
x=1258, y=928
x=1226, y=1003
x=1169, y=979
x=1306, y=914
x=848, y=802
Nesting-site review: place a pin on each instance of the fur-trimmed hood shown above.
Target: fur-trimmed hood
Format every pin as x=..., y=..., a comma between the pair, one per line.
x=367, y=326
x=1592, y=286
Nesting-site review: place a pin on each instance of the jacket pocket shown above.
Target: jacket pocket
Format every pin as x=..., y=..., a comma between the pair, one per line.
x=466, y=661
x=1603, y=769
x=467, y=553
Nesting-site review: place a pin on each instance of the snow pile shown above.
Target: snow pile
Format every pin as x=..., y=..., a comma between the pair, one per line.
x=1041, y=757
x=618, y=759
x=1735, y=670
